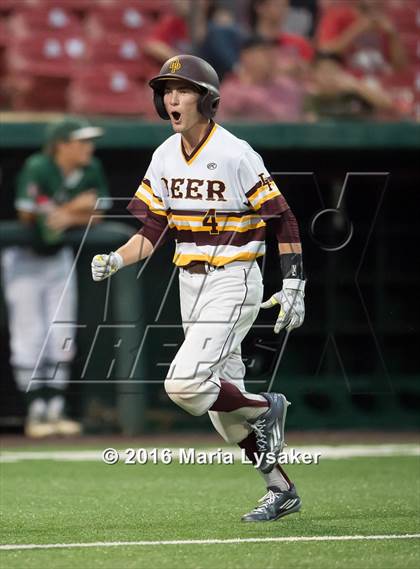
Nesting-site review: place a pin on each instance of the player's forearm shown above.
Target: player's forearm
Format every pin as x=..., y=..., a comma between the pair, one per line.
x=136, y=249
x=85, y=202
x=375, y=96
x=158, y=50
x=83, y=218
x=198, y=23
x=289, y=245
x=78, y=211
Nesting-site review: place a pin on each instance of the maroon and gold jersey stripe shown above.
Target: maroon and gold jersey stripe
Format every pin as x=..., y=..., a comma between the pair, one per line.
x=258, y=185
x=153, y=207
x=233, y=238
x=181, y=259
x=147, y=186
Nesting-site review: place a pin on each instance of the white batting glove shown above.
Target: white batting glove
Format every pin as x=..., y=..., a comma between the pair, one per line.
x=292, y=306
x=103, y=266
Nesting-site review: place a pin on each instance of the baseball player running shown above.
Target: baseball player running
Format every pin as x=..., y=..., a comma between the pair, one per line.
x=211, y=193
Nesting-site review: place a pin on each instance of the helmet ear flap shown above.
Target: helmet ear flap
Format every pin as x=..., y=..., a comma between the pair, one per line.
x=214, y=106
x=208, y=104
x=159, y=105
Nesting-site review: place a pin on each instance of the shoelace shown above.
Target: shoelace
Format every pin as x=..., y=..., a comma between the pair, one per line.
x=267, y=500
x=260, y=434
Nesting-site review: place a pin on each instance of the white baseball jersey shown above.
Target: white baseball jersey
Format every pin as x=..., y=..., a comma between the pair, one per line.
x=214, y=201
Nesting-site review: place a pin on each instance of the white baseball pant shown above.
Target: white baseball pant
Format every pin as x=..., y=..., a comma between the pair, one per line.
x=218, y=309
x=42, y=320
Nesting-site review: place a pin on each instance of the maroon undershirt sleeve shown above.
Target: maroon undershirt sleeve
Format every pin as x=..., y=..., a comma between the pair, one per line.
x=156, y=230
x=285, y=227
x=155, y=227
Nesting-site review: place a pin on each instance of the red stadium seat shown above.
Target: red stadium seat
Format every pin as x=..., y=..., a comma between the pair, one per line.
x=151, y=8
x=7, y=6
x=46, y=54
x=44, y=43
x=3, y=33
x=156, y=7
x=411, y=43
x=3, y=43
x=405, y=15
x=404, y=88
x=122, y=50
x=24, y=23
x=32, y=93
x=39, y=69
x=73, y=5
x=405, y=78
x=110, y=92
x=122, y=18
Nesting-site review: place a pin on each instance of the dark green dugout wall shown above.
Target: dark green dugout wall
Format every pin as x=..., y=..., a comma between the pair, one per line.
x=354, y=363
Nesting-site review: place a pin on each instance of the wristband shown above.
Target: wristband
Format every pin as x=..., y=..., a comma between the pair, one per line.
x=291, y=266
x=119, y=261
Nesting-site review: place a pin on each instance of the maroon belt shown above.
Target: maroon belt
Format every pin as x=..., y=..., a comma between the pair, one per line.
x=201, y=268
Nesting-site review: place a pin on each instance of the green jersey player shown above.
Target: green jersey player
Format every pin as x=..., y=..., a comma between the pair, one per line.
x=57, y=189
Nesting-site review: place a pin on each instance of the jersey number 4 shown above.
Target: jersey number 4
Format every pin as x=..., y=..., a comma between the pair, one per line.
x=210, y=220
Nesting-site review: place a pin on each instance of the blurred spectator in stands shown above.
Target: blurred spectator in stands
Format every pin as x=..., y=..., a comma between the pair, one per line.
x=333, y=92
x=172, y=35
x=301, y=17
x=255, y=91
x=268, y=19
x=222, y=43
x=204, y=27
x=361, y=37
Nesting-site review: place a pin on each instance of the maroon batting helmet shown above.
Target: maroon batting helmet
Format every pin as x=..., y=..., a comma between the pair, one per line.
x=194, y=70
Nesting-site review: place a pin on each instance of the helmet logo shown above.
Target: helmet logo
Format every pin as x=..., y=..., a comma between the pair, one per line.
x=175, y=65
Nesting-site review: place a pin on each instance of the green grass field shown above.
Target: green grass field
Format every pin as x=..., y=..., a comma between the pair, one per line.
x=49, y=502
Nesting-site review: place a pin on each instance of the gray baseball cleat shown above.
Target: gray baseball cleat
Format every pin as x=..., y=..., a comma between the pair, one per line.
x=269, y=430
x=274, y=505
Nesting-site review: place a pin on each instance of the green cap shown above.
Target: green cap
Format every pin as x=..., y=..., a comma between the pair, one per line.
x=72, y=129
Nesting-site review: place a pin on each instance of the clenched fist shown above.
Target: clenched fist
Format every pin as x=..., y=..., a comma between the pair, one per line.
x=103, y=266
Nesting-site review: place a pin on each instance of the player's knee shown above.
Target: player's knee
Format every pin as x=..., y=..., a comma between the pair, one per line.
x=189, y=404
x=186, y=398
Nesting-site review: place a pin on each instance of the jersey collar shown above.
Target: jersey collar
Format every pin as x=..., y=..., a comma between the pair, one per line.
x=189, y=158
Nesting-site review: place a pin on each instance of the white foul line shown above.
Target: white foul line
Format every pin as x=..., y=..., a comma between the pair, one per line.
x=212, y=541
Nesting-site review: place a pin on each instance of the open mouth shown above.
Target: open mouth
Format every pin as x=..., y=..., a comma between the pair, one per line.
x=176, y=116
